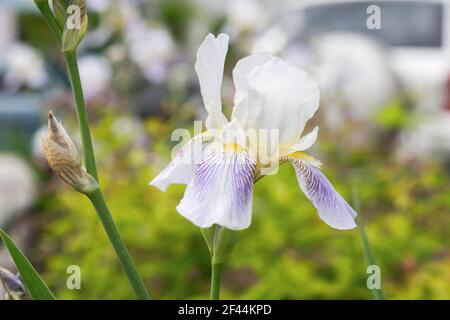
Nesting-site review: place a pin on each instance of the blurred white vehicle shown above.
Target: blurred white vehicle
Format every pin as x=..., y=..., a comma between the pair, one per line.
x=415, y=34
x=350, y=86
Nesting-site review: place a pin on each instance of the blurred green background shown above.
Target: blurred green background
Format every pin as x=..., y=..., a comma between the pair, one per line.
x=381, y=138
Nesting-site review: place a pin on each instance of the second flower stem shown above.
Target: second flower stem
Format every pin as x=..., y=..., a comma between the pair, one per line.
x=128, y=265
x=96, y=196
x=216, y=275
x=83, y=122
x=378, y=294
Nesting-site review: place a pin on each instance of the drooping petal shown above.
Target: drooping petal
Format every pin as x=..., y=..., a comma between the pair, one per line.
x=332, y=208
x=280, y=97
x=181, y=170
x=221, y=192
x=209, y=67
x=306, y=141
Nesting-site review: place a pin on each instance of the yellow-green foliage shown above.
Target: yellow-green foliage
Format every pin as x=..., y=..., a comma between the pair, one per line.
x=288, y=252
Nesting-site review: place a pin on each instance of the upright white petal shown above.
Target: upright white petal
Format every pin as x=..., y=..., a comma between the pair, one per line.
x=221, y=192
x=330, y=205
x=280, y=97
x=209, y=67
x=240, y=77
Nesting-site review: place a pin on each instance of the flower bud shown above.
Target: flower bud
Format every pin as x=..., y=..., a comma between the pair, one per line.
x=75, y=25
x=220, y=242
x=14, y=288
x=60, y=11
x=64, y=159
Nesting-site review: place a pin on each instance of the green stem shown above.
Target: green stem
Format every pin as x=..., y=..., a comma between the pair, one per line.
x=216, y=274
x=128, y=265
x=96, y=196
x=44, y=8
x=378, y=294
x=77, y=90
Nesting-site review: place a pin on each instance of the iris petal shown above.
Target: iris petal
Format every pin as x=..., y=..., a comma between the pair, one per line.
x=306, y=141
x=275, y=96
x=332, y=208
x=221, y=192
x=209, y=67
x=240, y=77
x=181, y=170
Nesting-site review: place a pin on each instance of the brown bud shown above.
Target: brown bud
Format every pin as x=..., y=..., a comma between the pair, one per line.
x=64, y=158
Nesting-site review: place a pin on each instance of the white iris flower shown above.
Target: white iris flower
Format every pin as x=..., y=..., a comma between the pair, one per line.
x=272, y=95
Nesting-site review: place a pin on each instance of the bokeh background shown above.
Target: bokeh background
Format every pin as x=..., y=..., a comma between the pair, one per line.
x=384, y=139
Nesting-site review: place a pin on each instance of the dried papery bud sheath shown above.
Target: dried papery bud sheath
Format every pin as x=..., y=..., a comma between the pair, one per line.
x=64, y=158
x=14, y=288
x=75, y=25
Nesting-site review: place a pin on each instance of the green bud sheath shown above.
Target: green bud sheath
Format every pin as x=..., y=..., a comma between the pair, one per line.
x=208, y=235
x=75, y=26
x=220, y=242
x=224, y=241
x=60, y=11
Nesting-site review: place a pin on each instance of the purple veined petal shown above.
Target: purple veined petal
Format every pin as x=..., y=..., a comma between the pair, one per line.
x=332, y=208
x=221, y=192
x=182, y=168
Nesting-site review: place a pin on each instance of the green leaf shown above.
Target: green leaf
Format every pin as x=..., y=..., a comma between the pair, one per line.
x=33, y=281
